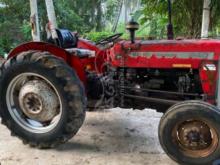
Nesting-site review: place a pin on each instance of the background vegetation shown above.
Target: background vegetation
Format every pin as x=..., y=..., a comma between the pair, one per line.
x=95, y=19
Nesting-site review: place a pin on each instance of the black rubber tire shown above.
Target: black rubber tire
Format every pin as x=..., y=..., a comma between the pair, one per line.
x=185, y=111
x=67, y=84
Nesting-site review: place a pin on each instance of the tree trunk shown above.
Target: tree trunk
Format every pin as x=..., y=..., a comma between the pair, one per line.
x=126, y=11
x=52, y=18
x=115, y=25
x=99, y=16
x=34, y=20
x=206, y=19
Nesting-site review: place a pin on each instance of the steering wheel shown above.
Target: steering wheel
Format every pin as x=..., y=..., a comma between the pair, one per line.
x=109, y=39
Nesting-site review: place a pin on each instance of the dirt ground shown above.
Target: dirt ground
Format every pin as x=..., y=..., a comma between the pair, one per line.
x=111, y=137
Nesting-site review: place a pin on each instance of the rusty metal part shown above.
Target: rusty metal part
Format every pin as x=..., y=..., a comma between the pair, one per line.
x=38, y=101
x=164, y=92
x=195, y=138
x=32, y=103
x=151, y=99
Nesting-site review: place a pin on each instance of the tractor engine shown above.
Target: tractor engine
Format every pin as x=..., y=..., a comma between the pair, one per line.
x=145, y=87
x=181, y=81
x=154, y=87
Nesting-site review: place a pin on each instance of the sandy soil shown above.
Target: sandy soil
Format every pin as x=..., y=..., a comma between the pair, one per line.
x=111, y=137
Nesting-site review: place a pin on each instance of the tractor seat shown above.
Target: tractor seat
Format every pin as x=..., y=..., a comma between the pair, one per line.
x=67, y=39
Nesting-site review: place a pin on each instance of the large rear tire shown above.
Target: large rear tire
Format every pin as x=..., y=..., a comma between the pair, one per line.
x=189, y=133
x=42, y=100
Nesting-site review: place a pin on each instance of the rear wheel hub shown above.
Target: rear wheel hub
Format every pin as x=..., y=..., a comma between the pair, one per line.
x=38, y=101
x=32, y=103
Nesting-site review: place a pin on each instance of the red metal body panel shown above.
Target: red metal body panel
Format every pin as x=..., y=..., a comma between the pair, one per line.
x=181, y=54
x=71, y=59
x=124, y=49
x=98, y=60
x=85, y=44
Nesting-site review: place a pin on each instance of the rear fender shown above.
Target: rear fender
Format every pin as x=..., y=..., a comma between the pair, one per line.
x=71, y=60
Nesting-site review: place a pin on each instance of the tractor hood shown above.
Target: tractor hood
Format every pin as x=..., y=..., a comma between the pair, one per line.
x=165, y=53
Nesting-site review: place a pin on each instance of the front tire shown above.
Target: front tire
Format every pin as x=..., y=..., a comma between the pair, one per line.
x=42, y=99
x=189, y=133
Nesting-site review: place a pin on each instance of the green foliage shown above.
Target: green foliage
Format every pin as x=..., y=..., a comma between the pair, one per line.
x=97, y=36
x=142, y=33
x=83, y=16
x=26, y=30
x=79, y=15
x=11, y=21
x=94, y=19
x=1, y=52
x=7, y=33
x=111, y=6
x=68, y=18
x=187, y=17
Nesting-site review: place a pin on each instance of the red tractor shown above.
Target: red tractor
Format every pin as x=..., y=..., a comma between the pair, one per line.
x=46, y=88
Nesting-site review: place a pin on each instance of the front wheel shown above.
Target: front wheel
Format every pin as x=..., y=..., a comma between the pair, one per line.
x=189, y=133
x=42, y=100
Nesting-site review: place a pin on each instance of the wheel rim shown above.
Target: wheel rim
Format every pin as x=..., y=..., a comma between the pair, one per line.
x=33, y=117
x=195, y=138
